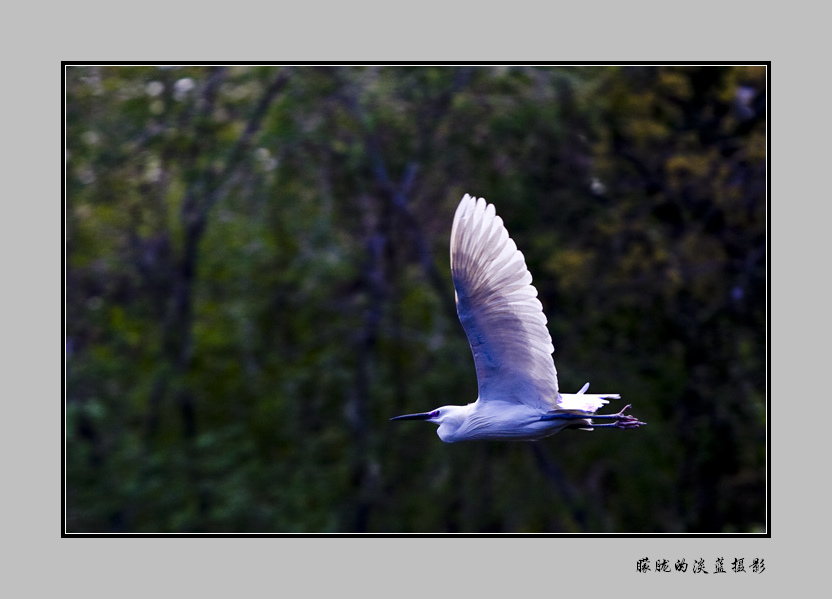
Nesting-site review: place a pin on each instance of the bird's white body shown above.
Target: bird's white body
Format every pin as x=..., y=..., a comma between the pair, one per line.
x=503, y=420
x=506, y=328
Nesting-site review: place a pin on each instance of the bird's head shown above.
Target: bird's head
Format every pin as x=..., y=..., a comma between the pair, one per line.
x=449, y=419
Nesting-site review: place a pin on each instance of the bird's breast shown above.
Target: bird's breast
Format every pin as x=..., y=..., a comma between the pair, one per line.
x=506, y=423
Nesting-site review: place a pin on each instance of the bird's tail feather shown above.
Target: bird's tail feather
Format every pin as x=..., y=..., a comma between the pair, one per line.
x=584, y=401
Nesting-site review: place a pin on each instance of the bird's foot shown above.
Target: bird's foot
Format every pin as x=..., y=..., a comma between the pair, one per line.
x=623, y=420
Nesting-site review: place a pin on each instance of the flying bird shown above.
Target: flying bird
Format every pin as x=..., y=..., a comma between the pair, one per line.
x=506, y=329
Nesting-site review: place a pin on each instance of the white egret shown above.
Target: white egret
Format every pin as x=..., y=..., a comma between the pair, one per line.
x=504, y=321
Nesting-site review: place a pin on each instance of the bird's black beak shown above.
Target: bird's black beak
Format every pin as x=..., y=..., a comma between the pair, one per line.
x=422, y=416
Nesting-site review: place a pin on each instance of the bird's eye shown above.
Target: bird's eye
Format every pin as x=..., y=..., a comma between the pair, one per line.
x=434, y=414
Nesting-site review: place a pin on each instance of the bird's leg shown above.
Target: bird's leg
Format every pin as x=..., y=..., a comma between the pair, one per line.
x=617, y=416
x=630, y=422
x=622, y=420
x=565, y=416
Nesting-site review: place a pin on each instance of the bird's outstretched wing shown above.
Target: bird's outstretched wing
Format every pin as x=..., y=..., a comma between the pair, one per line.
x=499, y=310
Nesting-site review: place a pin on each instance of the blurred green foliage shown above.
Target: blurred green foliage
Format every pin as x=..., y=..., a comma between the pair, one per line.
x=257, y=279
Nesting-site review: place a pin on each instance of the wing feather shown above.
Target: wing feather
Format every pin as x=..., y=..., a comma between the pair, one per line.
x=499, y=310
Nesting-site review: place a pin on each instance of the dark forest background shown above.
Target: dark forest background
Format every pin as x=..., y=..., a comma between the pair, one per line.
x=257, y=279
